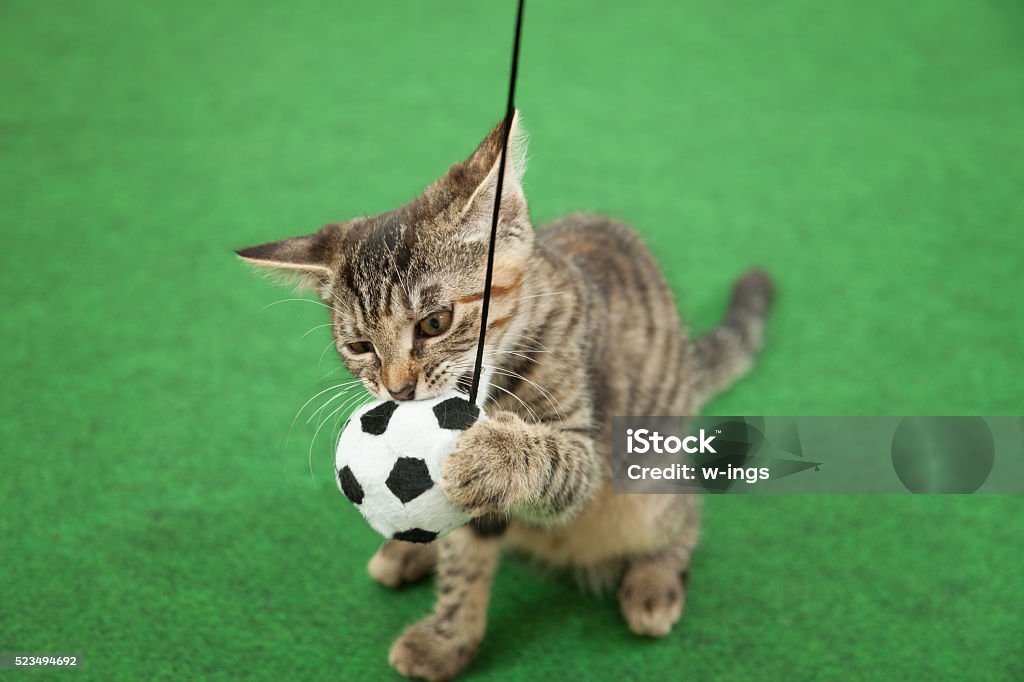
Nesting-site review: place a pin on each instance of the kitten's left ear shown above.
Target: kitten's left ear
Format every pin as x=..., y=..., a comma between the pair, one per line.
x=307, y=262
x=482, y=167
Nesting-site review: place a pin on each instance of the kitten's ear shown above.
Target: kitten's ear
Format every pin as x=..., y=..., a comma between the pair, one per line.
x=306, y=262
x=482, y=169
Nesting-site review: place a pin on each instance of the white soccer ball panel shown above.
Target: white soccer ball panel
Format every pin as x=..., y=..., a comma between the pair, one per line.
x=389, y=460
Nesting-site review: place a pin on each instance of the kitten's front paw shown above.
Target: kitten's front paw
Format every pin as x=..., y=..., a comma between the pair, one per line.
x=431, y=651
x=489, y=470
x=398, y=563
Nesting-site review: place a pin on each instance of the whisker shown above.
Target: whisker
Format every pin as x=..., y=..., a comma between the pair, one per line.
x=348, y=390
x=350, y=401
x=324, y=352
x=286, y=300
x=511, y=352
x=543, y=391
x=319, y=326
x=344, y=385
x=534, y=341
x=316, y=433
x=550, y=293
x=329, y=388
x=307, y=300
x=338, y=424
x=527, y=407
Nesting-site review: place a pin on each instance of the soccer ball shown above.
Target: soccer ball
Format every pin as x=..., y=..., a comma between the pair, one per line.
x=388, y=464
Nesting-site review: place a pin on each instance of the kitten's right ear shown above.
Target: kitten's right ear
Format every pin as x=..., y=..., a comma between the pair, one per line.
x=306, y=262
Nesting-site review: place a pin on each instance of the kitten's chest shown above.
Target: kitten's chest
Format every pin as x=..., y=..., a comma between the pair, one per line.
x=612, y=526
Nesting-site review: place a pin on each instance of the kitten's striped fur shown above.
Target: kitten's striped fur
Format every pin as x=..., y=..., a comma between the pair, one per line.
x=582, y=327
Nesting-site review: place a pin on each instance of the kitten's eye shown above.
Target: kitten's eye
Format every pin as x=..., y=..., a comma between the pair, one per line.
x=361, y=347
x=434, y=323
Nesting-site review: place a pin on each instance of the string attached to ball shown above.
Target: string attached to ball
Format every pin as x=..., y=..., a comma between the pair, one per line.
x=510, y=111
x=389, y=455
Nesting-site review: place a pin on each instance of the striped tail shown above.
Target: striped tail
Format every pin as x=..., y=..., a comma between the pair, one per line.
x=727, y=352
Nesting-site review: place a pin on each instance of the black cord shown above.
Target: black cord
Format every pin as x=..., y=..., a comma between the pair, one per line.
x=510, y=109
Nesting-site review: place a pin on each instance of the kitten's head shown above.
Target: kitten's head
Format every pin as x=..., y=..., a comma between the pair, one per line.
x=405, y=288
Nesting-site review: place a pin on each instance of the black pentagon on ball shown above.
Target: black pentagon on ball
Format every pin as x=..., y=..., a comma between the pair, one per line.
x=415, y=535
x=409, y=479
x=350, y=486
x=457, y=414
x=376, y=421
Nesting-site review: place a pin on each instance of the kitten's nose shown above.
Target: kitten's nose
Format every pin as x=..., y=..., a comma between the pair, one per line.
x=406, y=392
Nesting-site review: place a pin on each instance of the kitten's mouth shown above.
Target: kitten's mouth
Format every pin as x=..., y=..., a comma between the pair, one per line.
x=465, y=383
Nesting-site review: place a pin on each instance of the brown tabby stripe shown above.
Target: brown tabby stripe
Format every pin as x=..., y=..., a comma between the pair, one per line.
x=496, y=292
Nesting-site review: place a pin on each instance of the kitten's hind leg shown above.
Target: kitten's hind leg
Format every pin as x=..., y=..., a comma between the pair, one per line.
x=439, y=646
x=398, y=563
x=653, y=588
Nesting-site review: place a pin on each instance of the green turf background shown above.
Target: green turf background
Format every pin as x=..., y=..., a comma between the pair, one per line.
x=155, y=521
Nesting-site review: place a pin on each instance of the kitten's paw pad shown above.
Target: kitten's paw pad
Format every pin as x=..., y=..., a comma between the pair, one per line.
x=486, y=473
x=398, y=563
x=431, y=650
x=651, y=601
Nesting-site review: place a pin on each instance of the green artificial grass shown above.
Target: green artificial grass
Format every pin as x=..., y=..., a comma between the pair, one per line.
x=157, y=522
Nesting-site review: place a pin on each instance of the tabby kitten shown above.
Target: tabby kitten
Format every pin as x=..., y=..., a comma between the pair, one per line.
x=582, y=327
